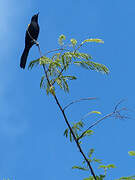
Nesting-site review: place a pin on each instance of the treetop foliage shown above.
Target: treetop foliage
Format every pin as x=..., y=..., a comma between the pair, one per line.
x=56, y=64
x=60, y=61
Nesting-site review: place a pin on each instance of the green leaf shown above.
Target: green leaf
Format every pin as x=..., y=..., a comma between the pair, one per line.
x=89, y=178
x=62, y=82
x=56, y=64
x=45, y=60
x=56, y=57
x=66, y=133
x=93, y=40
x=95, y=112
x=80, y=168
x=93, y=66
x=66, y=59
x=47, y=88
x=69, y=77
x=81, y=55
x=84, y=56
x=77, y=126
x=109, y=166
x=97, y=160
x=62, y=37
x=65, y=85
x=73, y=42
x=131, y=153
x=80, y=124
x=70, y=136
x=33, y=63
x=127, y=178
x=100, y=177
x=63, y=60
x=59, y=82
x=88, y=132
x=91, y=152
x=89, y=113
x=41, y=82
x=52, y=90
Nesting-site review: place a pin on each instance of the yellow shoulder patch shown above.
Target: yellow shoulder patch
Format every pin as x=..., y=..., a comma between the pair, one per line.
x=28, y=26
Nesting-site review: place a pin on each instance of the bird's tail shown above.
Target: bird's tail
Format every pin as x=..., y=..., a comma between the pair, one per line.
x=24, y=57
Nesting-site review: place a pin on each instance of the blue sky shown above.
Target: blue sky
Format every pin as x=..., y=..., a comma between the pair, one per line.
x=31, y=126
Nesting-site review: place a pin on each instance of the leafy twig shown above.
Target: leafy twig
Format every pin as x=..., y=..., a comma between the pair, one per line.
x=66, y=120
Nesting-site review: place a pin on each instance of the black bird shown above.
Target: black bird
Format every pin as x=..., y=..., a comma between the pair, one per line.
x=31, y=35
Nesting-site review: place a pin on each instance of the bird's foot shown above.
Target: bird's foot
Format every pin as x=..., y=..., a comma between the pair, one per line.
x=35, y=42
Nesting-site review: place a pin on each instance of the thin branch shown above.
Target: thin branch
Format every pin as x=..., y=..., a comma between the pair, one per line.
x=44, y=67
x=77, y=143
x=59, y=49
x=116, y=107
x=65, y=117
x=94, y=124
x=54, y=50
x=78, y=47
x=79, y=100
x=115, y=113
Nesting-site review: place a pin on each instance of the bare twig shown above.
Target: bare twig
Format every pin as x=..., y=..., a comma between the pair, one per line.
x=79, y=100
x=54, y=50
x=94, y=124
x=115, y=113
x=116, y=107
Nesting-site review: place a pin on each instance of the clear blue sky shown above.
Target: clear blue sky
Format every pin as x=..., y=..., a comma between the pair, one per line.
x=32, y=145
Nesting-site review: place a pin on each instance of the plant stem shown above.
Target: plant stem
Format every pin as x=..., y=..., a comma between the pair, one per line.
x=66, y=120
x=77, y=143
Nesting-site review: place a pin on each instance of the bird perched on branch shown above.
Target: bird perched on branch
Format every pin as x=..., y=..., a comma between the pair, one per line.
x=30, y=38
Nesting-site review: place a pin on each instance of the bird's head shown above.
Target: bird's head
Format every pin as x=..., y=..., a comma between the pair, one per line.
x=35, y=17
